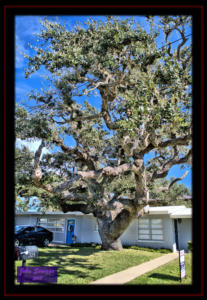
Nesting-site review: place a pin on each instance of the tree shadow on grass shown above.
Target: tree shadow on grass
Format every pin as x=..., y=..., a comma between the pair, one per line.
x=77, y=266
x=164, y=277
x=82, y=251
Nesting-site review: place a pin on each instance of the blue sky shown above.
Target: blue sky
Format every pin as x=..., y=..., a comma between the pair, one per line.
x=25, y=28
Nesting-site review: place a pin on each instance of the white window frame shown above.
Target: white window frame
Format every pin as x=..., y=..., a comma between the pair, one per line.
x=95, y=225
x=150, y=228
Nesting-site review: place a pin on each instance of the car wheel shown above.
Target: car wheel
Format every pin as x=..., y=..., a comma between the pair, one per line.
x=46, y=242
x=17, y=243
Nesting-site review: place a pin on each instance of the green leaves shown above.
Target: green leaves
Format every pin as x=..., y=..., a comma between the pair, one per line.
x=143, y=90
x=32, y=126
x=173, y=196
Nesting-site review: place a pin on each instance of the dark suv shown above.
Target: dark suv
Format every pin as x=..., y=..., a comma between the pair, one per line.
x=34, y=235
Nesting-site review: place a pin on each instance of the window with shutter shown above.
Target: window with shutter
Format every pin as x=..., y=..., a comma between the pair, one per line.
x=150, y=229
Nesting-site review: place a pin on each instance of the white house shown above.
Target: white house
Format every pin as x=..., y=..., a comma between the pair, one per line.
x=167, y=227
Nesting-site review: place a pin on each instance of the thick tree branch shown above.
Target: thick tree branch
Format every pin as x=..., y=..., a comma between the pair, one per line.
x=106, y=116
x=178, y=179
x=82, y=155
x=121, y=222
x=66, y=185
x=182, y=141
x=100, y=83
x=184, y=39
x=166, y=188
x=86, y=118
x=109, y=171
x=37, y=173
x=143, y=211
x=147, y=149
x=84, y=208
x=164, y=171
x=120, y=203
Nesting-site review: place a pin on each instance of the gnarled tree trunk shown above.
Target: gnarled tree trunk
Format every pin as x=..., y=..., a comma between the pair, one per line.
x=115, y=216
x=109, y=241
x=111, y=226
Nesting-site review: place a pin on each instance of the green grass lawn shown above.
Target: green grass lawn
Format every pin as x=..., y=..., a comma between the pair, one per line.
x=167, y=274
x=81, y=265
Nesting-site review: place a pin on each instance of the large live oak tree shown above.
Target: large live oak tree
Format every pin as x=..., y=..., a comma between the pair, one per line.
x=137, y=101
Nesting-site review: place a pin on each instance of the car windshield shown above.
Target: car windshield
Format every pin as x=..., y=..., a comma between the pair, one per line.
x=19, y=228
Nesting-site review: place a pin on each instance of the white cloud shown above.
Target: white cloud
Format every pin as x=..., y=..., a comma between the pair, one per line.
x=25, y=28
x=28, y=25
x=20, y=49
x=21, y=91
x=32, y=145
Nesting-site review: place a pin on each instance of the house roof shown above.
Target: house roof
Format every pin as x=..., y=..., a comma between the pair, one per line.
x=186, y=213
x=56, y=213
x=173, y=211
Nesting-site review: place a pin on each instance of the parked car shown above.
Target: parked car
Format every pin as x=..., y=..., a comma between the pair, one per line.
x=33, y=235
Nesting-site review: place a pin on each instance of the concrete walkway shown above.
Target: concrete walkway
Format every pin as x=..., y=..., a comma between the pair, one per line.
x=134, y=272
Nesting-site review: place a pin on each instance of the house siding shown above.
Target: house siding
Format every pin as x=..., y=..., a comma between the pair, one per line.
x=86, y=232
x=25, y=220
x=184, y=233
x=130, y=235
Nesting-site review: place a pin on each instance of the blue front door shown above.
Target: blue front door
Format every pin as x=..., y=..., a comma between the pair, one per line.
x=70, y=231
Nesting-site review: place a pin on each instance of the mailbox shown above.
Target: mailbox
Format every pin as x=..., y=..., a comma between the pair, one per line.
x=28, y=252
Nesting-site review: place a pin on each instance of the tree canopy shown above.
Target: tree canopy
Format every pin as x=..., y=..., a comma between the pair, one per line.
x=123, y=100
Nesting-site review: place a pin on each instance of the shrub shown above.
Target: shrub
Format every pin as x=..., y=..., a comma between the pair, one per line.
x=161, y=250
x=98, y=247
x=80, y=245
x=94, y=245
x=190, y=246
